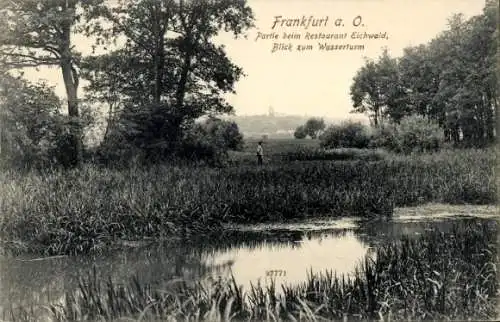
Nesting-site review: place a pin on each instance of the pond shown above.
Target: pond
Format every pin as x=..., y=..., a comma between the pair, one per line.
x=249, y=253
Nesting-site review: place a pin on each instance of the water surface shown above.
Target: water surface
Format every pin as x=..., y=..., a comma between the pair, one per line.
x=247, y=252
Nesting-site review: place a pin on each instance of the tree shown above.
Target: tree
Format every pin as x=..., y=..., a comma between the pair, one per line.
x=169, y=70
x=466, y=93
x=39, y=33
x=300, y=132
x=451, y=80
x=314, y=126
x=376, y=87
x=419, y=74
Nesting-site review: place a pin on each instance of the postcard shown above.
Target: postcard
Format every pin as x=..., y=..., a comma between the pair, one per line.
x=249, y=160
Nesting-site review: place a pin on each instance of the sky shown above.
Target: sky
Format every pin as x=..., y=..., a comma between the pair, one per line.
x=316, y=82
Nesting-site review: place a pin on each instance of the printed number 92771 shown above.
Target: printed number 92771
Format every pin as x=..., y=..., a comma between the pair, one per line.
x=276, y=272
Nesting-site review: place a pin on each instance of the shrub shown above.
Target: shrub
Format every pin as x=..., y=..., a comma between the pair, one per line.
x=226, y=133
x=153, y=129
x=346, y=135
x=211, y=139
x=300, y=132
x=63, y=141
x=413, y=134
x=30, y=121
x=314, y=127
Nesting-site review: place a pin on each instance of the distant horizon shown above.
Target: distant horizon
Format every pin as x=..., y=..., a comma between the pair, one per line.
x=284, y=114
x=280, y=125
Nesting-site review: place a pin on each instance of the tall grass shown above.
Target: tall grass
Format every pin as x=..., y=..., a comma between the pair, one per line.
x=89, y=209
x=434, y=277
x=309, y=154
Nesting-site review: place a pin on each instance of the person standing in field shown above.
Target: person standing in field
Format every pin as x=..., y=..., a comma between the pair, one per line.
x=260, y=153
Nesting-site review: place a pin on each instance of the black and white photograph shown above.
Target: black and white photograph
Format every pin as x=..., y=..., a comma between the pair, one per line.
x=249, y=160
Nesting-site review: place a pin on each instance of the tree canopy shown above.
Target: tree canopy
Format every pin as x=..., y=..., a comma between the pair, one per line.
x=452, y=80
x=161, y=68
x=169, y=70
x=40, y=33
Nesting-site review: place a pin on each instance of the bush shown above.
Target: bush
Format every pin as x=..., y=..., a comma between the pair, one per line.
x=300, y=132
x=314, y=127
x=210, y=140
x=30, y=121
x=346, y=135
x=413, y=134
x=153, y=129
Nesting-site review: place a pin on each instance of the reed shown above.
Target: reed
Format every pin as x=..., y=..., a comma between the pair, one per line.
x=88, y=209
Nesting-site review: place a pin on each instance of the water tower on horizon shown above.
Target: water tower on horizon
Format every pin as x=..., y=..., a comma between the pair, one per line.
x=271, y=111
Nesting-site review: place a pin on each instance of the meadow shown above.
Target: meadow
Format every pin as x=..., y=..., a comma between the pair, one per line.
x=92, y=208
x=437, y=276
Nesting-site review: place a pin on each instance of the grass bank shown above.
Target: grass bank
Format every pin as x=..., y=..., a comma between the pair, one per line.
x=288, y=150
x=88, y=209
x=434, y=277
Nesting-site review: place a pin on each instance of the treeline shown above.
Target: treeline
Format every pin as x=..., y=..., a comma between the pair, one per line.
x=451, y=80
x=161, y=70
x=268, y=124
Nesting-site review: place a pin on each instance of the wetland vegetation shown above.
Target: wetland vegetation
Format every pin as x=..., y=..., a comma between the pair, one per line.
x=88, y=209
x=438, y=275
x=163, y=169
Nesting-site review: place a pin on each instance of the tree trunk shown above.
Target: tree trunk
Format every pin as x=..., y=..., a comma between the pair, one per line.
x=455, y=134
x=496, y=91
x=493, y=119
x=447, y=134
x=481, y=123
x=158, y=87
x=376, y=110
x=491, y=107
x=1, y=137
x=110, y=122
x=70, y=78
x=159, y=54
x=181, y=89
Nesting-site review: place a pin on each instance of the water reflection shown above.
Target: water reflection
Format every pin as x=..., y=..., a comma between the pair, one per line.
x=248, y=255
x=375, y=232
x=339, y=252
